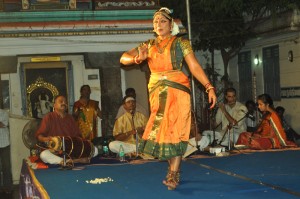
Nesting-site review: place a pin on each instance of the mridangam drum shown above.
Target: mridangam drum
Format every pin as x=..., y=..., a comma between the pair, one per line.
x=75, y=147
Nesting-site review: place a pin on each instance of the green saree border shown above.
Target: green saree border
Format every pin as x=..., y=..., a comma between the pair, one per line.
x=163, y=151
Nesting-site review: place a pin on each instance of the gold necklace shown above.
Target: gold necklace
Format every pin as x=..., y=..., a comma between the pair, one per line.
x=161, y=50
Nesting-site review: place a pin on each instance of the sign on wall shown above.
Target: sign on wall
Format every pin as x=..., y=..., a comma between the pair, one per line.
x=290, y=92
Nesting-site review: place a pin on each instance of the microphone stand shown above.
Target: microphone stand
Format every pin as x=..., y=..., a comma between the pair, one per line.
x=64, y=166
x=214, y=142
x=64, y=152
x=136, y=135
x=228, y=132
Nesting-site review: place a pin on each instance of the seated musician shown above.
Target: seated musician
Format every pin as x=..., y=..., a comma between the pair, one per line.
x=291, y=134
x=139, y=108
x=129, y=125
x=58, y=123
x=270, y=133
x=251, y=117
x=230, y=117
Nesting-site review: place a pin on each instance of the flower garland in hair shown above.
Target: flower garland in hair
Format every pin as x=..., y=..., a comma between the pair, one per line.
x=175, y=28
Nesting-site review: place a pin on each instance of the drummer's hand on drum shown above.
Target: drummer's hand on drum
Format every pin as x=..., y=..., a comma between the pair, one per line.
x=42, y=138
x=47, y=139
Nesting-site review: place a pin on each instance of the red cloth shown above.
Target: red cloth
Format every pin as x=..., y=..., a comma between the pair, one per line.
x=36, y=163
x=254, y=141
x=54, y=125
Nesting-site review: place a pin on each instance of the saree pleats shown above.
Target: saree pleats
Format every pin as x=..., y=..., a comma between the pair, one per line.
x=167, y=131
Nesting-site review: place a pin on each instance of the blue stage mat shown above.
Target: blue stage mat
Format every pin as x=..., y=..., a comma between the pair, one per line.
x=257, y=175
x=276, y=173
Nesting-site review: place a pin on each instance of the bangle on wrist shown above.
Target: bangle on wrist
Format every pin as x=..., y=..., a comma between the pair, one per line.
x=136, y=61
x=207, y=85
x=209, y=88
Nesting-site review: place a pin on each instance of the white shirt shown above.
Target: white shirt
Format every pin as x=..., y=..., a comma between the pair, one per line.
x=238, y=112
x=4, y=132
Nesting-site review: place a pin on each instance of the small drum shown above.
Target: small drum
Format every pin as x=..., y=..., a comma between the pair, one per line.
x=75, y=147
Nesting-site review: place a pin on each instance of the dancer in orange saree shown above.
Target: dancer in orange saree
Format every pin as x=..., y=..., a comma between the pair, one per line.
x=269, y=134
x=167, y=132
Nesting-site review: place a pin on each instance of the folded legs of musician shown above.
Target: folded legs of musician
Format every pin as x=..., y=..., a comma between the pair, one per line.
x=51, y=158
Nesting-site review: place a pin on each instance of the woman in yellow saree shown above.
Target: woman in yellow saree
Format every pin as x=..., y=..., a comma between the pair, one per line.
x=85, y=112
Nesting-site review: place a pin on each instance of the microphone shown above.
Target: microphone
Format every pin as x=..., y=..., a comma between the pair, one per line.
x=249, y=115
x=132, y=112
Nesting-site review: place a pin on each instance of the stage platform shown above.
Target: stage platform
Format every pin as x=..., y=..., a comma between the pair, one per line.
x=248, y=174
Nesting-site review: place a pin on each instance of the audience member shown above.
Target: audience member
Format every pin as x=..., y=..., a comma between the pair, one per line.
x=5, y=161
x=291, y=134
x=270, y=133
x=58, y=123
x=251, y=117
x=230, y=117
x=132, y=123
x=85, y=112
x=139, y=108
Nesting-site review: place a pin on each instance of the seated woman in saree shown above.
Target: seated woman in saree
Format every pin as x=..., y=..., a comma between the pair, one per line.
x=270, y=133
